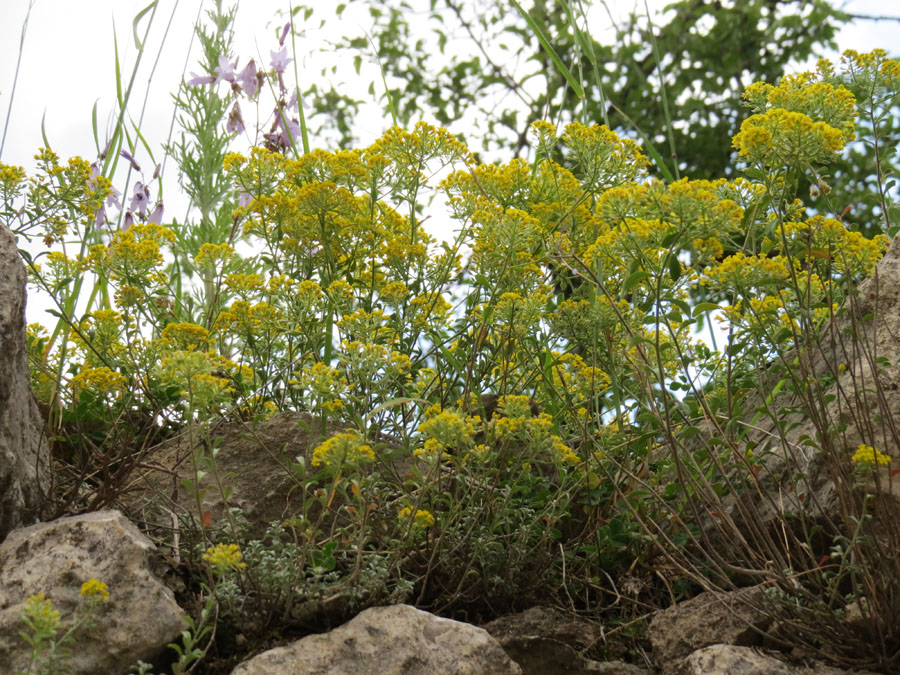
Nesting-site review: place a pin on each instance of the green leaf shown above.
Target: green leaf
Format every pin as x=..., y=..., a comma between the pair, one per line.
x=545, y=43
x=634, y=279
x=702, y=307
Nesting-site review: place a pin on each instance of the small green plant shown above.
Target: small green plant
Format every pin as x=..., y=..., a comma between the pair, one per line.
x=50, y=650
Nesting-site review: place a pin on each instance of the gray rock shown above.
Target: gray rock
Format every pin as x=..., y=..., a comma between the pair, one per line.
x=866, y=388
x=24, y=456
x=733, y=660
x=397, y=640
x=545, y=641
x=708, y=619
x=55, y=558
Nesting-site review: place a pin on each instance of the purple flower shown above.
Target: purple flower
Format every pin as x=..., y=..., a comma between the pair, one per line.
x=284, y=32
x=134, y=165
x=292, y=103
x=156, y=215
x=248, y=80
x=101, y=218
x=112, y=199
x=129, y=221
x=224, y=71
x=235, y=121
x=141, y=198
x=280, y=60
x=197, y=80
x=244, y=199
x=293, y=128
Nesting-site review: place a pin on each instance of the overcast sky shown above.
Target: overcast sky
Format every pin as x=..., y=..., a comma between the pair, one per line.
x=68, y=64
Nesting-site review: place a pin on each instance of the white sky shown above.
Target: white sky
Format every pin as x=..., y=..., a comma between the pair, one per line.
x=68, y=64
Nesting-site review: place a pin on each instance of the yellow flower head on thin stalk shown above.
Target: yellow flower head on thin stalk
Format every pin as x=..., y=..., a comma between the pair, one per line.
x=341, y=449
x=224, y=557
x=40, y=615
x=866, y=455
x=421, y=519
x=94, y=589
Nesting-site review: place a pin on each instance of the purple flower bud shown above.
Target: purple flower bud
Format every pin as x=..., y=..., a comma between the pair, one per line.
x=224, y=71
x=235, y=121
x=156, y=215
x=247, y=78
x=280, y=60
x=197, y=80
x=127, y=155
x=129, y=221
x=284, y=32
x=156, y=171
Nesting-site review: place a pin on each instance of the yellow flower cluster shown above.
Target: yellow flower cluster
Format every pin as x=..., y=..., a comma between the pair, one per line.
x=867, y=455
x=99, y=380
x=743, y=272
x=421, y=519
x=92, y=588
x=40, y=614
x=827, y=239
x=186, y=335
x=341, y=449
x=784, y=138
x=224, y=557
x=448, y=430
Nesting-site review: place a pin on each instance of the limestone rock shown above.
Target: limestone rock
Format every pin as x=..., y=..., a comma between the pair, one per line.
x=397, y=640
x=24, y=455
x=732, y=660
x=865, y=371
x=55, y=558
x=710, y=618
x=254, y=460
x=545, y=641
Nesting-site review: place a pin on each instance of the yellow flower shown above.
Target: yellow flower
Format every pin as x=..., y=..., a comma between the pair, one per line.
x=866, y=454
x=223, y=557
x=421, y=519
x=341, y=448
x=40, y=615
x=93, y=588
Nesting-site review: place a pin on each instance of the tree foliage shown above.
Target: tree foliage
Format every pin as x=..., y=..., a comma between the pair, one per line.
x=481, y=63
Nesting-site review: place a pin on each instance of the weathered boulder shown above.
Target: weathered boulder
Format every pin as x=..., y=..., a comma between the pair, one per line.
x=710, y=618
x=733, y=660
x=397, y=640
x=253, y=459
x=56, y=558
x=546, y=641
x=859, y=355
x=24, y=455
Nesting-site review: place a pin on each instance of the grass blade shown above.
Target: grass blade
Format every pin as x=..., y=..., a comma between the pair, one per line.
x=545, y=43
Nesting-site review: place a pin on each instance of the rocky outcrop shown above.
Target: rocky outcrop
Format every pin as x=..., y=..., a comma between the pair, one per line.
x=732, y=660
x=24, y=455
x=254, y=459
x=545, y=641
x=708, y=619
x=56, y=558
x=858, y=360
x=400, y=640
